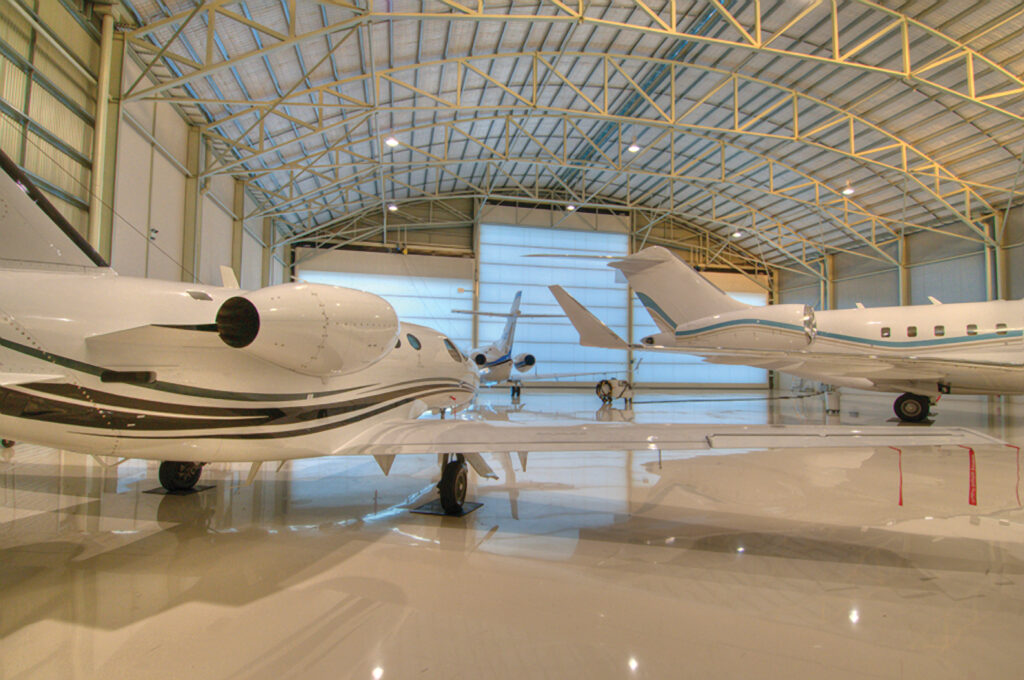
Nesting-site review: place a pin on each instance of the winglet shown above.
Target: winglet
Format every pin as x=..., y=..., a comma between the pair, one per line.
x=592, y=332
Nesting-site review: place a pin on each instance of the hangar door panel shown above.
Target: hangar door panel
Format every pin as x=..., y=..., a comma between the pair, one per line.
x=506, y=267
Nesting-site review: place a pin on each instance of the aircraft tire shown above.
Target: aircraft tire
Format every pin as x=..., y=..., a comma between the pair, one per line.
x=179, y=476
x=7, y=443
x=452, y=487
x=604, y=391
x=911, y=408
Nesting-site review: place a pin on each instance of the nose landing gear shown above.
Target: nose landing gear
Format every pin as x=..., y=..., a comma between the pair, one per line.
x=453, y=484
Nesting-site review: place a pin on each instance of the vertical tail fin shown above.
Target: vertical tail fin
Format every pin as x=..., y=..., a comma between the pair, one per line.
x=671, y=290
x=508, y=334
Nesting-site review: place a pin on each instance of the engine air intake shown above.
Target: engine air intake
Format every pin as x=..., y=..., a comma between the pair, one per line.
x=238, y=322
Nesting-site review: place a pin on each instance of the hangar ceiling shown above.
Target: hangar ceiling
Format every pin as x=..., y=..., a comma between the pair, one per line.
x=743, y=120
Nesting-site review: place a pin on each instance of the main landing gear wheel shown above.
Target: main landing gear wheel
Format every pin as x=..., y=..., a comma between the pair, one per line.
x=179, y=476
x=604, y=391
x=911, y=408
x=453, y=485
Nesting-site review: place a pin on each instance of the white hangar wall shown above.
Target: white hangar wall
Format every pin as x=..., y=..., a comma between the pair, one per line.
x=948, y=268
x=151, y=196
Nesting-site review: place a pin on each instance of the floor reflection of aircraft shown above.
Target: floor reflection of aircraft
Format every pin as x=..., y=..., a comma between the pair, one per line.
x=190, y=374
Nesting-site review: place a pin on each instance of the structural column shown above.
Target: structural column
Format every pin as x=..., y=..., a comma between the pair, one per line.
x=904, y=271
x=998, y=287
x=104, y=139
x=268, y=250
x=237, y=228
x=827, y=287
x=192, y=228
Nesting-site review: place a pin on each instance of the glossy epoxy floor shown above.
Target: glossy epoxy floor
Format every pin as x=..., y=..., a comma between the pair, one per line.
x=786, y=564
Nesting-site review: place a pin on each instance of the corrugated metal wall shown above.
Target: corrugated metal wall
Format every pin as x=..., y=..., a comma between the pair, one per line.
x=47, y=104
x=950, y=269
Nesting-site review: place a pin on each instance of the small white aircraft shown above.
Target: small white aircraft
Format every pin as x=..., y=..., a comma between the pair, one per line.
x=190, y=374
x=495, y=361
x=922, y=351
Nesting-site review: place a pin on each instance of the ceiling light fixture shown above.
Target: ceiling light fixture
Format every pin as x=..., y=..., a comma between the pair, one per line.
x=391, y=141
x=633, y=148
x=737, y=234
x=848, y=189
x=392, y=207
x=570, y=207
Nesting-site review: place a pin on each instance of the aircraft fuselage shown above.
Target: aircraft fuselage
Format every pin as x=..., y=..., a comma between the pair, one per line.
x=135, y=368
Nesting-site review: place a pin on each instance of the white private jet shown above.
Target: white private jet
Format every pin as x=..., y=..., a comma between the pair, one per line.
x=495, y=361
x=190, y=374
x=922, y=351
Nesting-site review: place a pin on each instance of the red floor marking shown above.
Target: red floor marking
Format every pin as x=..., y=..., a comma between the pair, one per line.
x=972, y=494
x=900, y=459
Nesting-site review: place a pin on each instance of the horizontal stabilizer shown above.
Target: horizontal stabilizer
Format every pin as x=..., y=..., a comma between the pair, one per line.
x=505, y=315
x=593, y=333
x=35, y=233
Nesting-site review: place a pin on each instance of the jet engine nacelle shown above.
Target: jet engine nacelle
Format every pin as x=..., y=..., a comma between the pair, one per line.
x=480, y=359
x=524, y=362
x=310, y=328
x=775, y=327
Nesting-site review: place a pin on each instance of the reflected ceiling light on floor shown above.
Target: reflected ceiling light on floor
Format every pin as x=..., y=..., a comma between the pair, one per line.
x=392, y=207
x=378, y=673
x=741, y=549
x=848, y=190
x=633, y=664
x=570, y=207
x=391, y=141
x=854, y=616
x=633, y=148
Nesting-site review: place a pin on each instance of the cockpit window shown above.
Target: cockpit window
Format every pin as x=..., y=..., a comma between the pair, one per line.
x=413, y=340
x=456, y=355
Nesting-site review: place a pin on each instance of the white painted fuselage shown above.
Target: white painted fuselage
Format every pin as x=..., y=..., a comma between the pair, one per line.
x=966, y=348
x=135, y=368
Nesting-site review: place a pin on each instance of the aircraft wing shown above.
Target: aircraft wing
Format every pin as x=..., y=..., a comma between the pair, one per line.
x=593, y=333
x=469, y=436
